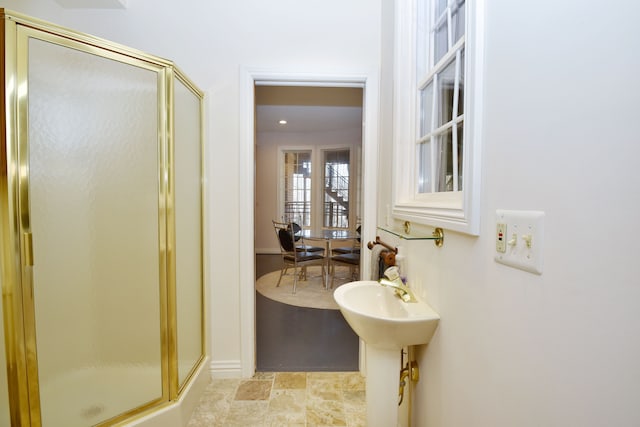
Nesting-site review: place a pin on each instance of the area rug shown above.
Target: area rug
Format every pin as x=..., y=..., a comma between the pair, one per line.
x=309, y=293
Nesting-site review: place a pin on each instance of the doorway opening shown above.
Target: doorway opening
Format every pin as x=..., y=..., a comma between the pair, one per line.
x=249, y=220
x=308, y=148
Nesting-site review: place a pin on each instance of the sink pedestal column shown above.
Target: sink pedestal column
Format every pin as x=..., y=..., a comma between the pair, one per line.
x=382, y=384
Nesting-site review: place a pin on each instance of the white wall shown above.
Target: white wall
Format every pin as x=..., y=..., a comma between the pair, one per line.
x=325, y=37
x=561, y=136
x=211, y=42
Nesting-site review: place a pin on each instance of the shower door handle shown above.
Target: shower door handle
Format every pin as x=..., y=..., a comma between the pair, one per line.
x=25, y=215
x=24, y=205
x=25, y=218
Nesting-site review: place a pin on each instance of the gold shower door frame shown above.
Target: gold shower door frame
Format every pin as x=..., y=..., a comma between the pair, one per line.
x=16, y=258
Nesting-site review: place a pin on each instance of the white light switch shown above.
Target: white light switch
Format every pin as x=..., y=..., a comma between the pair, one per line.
x=524, y=231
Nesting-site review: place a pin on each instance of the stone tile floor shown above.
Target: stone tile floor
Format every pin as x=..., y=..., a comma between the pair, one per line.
x=284, y=399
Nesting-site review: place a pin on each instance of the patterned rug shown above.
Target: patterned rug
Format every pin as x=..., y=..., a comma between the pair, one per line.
x=309, y=293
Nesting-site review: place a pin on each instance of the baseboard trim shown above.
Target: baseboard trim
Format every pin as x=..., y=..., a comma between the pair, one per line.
x=226, y=369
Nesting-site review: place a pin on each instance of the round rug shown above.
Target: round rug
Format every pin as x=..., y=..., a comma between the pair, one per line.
x=309, y=293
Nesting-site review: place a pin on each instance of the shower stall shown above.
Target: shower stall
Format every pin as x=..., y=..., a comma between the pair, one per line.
x=101, y=228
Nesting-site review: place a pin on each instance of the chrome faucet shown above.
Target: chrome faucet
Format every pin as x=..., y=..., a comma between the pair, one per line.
x=401, y=289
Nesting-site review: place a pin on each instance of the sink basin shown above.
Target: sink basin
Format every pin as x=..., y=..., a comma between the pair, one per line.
x=382, y=319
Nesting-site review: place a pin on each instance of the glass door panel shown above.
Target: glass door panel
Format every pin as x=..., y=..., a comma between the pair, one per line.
x=336, y=188
x=296, y=186
x=188, y=220
x=94, y=207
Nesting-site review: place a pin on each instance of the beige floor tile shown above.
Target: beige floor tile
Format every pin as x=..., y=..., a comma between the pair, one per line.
x=284, y=399
x=354, y=401
x=287, y=407
x=357, y=419
x=247, y=414
x=254, y=390
x=326, y=413
x=353, y=381
x=224, y=386
x=278, y=420
x=325, y=389
x=290, y=380
x=288, y=401
x=264, y=375
x=337, y=376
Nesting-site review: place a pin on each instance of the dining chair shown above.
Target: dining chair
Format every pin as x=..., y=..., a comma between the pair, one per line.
x=353, y=248
x=301, y=246
x=299, y=260
x=350, y=259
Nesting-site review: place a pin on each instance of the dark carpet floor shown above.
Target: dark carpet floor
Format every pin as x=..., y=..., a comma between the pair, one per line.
x=292, y=339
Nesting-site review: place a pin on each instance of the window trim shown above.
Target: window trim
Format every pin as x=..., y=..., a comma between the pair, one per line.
x=460, y=210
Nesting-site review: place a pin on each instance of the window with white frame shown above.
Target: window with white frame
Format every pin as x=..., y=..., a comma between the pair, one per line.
x=437, y=127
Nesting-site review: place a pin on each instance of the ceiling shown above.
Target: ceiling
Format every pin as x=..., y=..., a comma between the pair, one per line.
x=306, y=118
x=308, y=109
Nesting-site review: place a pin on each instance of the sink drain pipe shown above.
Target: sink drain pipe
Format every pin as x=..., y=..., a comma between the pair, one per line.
x=409, y=373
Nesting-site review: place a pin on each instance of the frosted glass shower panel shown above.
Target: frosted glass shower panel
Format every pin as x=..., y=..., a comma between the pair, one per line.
x=94, y=184
x=4, y=390
x=188, y=208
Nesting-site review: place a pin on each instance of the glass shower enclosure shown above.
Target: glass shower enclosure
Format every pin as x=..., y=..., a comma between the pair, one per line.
x=101, y=228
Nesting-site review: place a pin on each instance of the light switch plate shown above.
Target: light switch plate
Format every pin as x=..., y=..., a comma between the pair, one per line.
x=525, y=233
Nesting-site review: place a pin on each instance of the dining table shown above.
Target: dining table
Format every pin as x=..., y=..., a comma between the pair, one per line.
x=330, y=237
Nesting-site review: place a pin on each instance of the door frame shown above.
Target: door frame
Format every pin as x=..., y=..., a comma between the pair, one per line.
x=369, y=82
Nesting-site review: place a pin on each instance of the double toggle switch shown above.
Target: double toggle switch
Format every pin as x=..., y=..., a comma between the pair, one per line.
x=519, y=236
x=513, y=241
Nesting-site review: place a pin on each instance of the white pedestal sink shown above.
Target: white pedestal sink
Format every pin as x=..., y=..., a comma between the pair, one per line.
x=386, y=324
